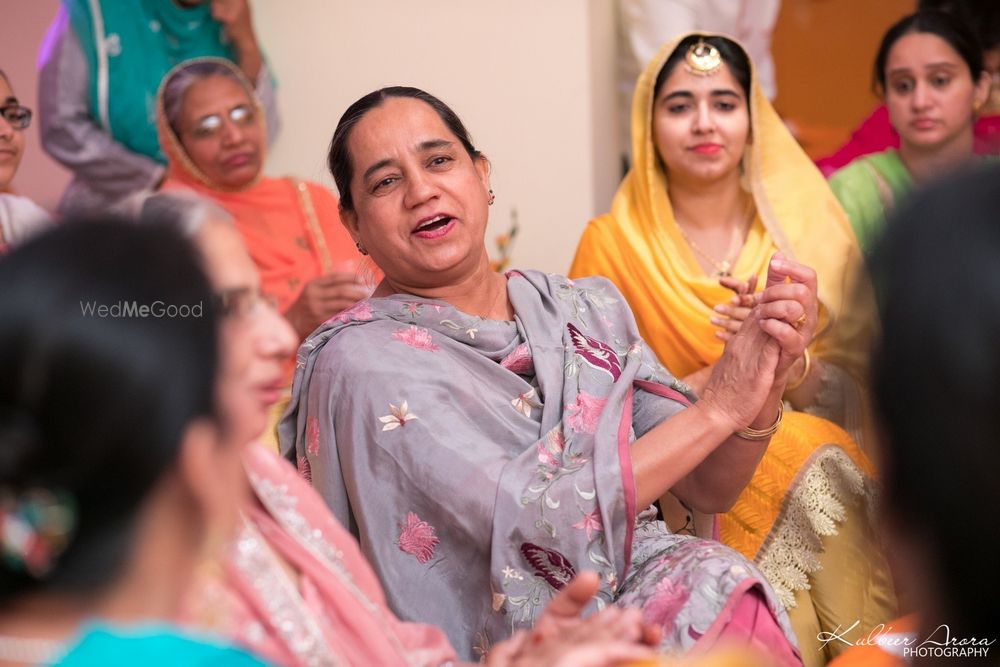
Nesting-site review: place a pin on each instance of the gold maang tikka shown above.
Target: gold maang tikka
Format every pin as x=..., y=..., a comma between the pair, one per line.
x=702, y=59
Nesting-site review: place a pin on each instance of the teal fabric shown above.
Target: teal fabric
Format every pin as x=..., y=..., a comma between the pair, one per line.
x=144, y=40
x=152, y=646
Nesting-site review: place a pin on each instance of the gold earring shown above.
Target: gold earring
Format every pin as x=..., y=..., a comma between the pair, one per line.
x=361, y=248
x=492, y=198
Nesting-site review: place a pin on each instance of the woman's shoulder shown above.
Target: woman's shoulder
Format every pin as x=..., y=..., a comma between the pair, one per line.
x=152, y=646
x=361, y=343
x=20, y=219
x=865, y=189
x=858, y=180
x=866, y=168
x=580, y=298
x=316, y=190
x=600, y=249
x=556, y=282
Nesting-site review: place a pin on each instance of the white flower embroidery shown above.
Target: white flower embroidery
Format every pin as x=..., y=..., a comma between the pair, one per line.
x=511, y=573
x=471, y=333
x=524, y=402
x=398, y=418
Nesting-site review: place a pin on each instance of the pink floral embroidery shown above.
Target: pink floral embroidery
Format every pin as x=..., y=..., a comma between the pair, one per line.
x=412, y=307
x=590, y=523
x=312, y=437
x=665, y=603
x=417, y=337
x=359, y=312
x=550, y=448
x=417, y=538
x=582, y=416
x=519, y=361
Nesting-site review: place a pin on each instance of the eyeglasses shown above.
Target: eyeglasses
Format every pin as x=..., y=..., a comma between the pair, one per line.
x=240, y=302
x=241, y=115
x=19, y=117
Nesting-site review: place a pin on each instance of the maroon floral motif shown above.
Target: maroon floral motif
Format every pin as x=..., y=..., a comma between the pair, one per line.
x=595, y=353
x=548, y=564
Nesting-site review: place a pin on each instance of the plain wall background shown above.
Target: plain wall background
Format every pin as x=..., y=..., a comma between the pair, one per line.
x=527, y=77
x=532, y=79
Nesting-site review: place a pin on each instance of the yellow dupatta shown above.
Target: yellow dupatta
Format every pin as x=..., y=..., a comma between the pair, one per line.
x=638, y=245
x=779, y=520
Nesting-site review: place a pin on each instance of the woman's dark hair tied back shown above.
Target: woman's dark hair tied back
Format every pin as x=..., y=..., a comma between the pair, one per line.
x=94, y=402
x=952, y=29
x=339, y=157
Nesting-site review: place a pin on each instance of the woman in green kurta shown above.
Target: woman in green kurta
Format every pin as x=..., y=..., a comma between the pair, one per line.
x=929, y=70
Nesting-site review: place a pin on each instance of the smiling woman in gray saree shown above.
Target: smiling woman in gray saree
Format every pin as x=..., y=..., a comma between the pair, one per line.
x=486, y=436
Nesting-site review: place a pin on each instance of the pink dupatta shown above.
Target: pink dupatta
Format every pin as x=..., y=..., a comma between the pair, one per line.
x=295, y=588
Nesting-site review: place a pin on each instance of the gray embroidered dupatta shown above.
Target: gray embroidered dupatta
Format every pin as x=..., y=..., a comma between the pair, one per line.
x=480, y=463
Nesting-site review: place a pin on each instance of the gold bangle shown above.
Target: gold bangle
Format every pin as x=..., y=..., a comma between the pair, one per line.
x=749, y=433
x=792, y=386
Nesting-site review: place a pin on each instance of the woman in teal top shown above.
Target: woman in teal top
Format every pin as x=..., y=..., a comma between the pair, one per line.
x=151, y=646
x=929, y=71
x=118, y=469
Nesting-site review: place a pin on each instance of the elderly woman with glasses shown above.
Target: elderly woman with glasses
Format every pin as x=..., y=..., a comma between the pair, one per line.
x=211, y=128
x=19, y=216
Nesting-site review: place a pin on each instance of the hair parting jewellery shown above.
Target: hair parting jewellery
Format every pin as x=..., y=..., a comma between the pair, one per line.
x=702, y=59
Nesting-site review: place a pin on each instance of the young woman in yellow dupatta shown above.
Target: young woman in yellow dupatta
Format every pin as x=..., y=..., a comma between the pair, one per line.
x=717, y=186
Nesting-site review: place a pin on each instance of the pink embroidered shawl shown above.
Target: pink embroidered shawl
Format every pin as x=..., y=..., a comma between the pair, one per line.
x=295, y=588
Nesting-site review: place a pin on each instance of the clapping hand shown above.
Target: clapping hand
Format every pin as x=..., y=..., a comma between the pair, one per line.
x=731, y=315
x=789, y=309
x=561, y=638
x=324, y=297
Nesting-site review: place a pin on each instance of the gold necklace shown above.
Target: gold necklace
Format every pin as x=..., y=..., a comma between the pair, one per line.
x=723, y=267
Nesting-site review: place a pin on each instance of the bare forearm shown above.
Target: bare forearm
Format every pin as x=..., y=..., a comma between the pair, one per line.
x=715, y=485
x=669, y=452
x=249, y=58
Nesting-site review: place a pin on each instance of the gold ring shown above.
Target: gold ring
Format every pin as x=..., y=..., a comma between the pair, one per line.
x=799, y=322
